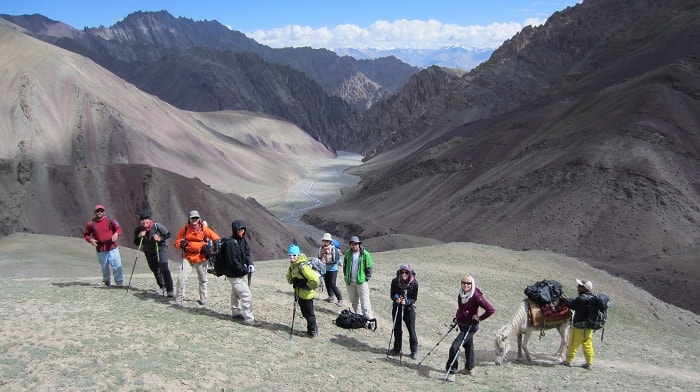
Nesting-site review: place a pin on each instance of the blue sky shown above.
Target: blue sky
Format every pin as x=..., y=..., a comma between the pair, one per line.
x=325, y=23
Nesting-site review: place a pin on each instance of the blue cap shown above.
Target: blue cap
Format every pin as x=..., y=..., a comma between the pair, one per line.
x=294, y=249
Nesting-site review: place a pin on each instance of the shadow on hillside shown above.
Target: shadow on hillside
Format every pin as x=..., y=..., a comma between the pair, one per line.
x=84, y=284
x=543, y=360
x=353, y=344
x=483, y=358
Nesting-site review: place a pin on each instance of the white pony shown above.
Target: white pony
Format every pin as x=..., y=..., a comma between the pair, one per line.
x=520, y=324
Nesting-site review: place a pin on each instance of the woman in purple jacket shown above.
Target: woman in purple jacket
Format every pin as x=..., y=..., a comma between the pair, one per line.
x=469, y=300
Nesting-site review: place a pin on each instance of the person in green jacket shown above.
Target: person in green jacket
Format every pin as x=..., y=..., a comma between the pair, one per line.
x=305, y=281
x=357, y=269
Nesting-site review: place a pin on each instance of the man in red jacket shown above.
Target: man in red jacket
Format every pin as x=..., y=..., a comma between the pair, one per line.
x=102, y=232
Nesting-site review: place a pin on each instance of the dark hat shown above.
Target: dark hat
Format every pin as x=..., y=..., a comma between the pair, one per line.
x=145, y=215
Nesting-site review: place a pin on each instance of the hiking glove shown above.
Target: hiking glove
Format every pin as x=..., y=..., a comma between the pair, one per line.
x=251, y=269
x=183, y=244
x=298, y=283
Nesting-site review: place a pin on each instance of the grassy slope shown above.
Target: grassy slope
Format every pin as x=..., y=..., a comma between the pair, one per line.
x=61, y=331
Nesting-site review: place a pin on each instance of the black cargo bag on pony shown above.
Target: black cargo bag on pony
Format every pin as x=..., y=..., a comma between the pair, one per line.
x=351, y=320
x=544, y=292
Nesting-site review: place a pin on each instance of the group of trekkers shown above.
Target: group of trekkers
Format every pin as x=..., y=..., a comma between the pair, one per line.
x=195, y=240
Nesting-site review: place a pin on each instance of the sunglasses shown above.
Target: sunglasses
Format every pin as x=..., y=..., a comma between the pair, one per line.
x=291, y=256
x=194, y=218
x=469, y=283
x=404, y=272
x=100, y=210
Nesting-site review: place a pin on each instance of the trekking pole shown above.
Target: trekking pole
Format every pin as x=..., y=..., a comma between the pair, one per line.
x=401, y=321
x=392, y=333
x=159, y=271
x=294, y=314
x=438, y=343
x=449, y=369
x=132, y=270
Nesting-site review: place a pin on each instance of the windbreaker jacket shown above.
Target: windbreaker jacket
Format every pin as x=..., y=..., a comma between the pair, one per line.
x=411, y=289
x=195, y=241
x=364, y=266
x=580, y=307
x=300, y=270
x=467, y=310
x=148, y=244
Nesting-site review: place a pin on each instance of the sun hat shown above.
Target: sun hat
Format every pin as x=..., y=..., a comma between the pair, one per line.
x=327, y=237
x=585, y=283
x=194, y=214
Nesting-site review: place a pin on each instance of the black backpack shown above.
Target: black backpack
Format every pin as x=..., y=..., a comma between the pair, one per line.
x=351, y=320
x=225, y=259
x=597, y=307
x=544, y=292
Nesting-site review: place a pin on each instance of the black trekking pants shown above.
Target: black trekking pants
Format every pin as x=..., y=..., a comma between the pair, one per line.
x=329, y=278
x=468, y=349
x=158, y=263
x=409, y=317
x=307, y=310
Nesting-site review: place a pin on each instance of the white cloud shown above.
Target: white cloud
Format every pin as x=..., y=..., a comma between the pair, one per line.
x=404, y=34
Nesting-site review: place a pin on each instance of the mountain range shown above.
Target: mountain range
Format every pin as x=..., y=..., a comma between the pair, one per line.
x=579, y=136
x=448, y=57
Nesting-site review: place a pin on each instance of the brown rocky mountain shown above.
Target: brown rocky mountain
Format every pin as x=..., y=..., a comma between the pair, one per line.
x=313, y=88
x=76, y=135
x=579, y=136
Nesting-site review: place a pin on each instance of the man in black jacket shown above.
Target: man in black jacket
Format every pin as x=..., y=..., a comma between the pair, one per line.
x=579, y=335
x=151, y=237
x=239, y=265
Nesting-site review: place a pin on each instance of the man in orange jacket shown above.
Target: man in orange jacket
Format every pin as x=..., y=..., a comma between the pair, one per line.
x=191, y=240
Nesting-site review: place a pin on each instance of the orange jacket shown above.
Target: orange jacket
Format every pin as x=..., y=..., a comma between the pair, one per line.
x=196, y=239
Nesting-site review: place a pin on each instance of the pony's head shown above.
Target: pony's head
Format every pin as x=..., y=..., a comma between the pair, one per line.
x=501, y=346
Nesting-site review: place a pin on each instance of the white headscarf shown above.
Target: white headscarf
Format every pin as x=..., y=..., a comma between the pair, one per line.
x=465, y=296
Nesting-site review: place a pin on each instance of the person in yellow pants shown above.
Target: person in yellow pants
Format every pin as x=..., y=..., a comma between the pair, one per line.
x=579, y=335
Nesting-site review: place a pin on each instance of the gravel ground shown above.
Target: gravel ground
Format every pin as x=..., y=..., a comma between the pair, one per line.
x=62, y=331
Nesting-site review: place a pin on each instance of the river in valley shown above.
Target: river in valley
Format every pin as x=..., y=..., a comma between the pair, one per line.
x=326, y=178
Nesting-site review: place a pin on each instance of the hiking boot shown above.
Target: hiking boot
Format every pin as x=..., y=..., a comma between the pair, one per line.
x=340, y=303
x=466, y=372
x=171, y=294
x=236, y=315
x=120, y=285
x=254, y=323
x=106, y=284
x=177, y=302
x=565, y=363
x=450, y=377
x=394, y=351
x=587, y=366
x=414, y=356
x=202, y=302
x=329, y=299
